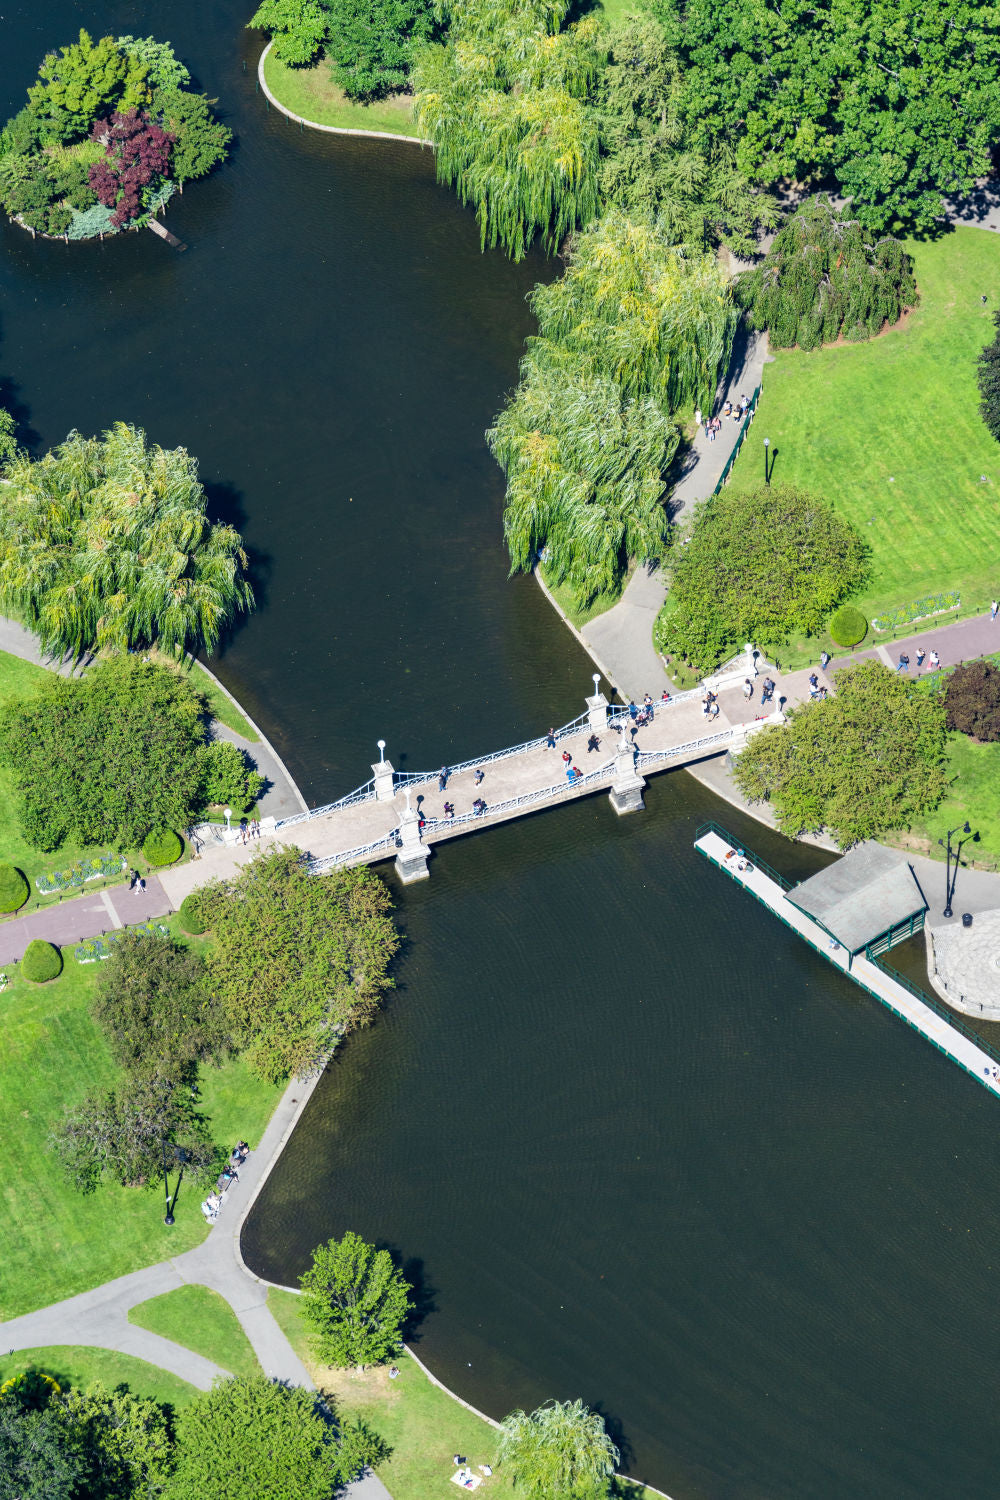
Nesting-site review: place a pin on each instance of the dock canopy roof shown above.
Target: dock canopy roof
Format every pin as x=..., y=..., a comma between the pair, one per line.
x=862, y=896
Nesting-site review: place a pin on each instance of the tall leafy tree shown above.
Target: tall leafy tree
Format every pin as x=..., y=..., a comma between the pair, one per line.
x=727, y=588
x=297, y=959
x=826, y=275
x=371, y=43
x=504, y=101
x=354, y=1302
x=105, y=758
x=858, y=764
x=988, y=375
x=561, y=1448
x=154, y=1006
x=199, y=140
x=106, y=542
x=125, y=1442
x=137, y=153
x=39, y=1454
x=120, y=1134
x=298, y=28
x=651, y=165
x=267, y=1439
x=83, y=80
x=893, y=99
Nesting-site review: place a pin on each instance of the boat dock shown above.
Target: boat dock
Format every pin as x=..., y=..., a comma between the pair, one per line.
x=949, y=1035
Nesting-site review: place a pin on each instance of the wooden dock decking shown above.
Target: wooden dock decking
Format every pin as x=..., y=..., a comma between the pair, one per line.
x=954, y=1043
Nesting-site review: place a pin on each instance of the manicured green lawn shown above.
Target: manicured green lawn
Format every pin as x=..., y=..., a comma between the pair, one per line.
x=226, y=712
x=890, y=432
x=424, y=1426
x=312, y=94
x=56, y=1241
x=974, y=795
x=78, y=1366
x=200, y=1320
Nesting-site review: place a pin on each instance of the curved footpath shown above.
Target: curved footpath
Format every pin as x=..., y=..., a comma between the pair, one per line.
x=375, y=135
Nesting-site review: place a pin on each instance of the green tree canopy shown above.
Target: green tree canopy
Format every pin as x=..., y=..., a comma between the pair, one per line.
x=119, y=1134
x=297, y=959
x=354, y=1302
x=371, y=43
x=758, y=565
x=896, y=100
x=84, y=80
x=826, y=275
x=650, y=164
x=863, y=761
x=200, y=141
x=504, y=101
x=162, y=69
x=561, y=1449
x=125, y=1441
x=106, y=542
x=104, y=758
x=298, y=28
x=228, y=776
x=154, y=1006
x=248, y=1438
x=39, y=1454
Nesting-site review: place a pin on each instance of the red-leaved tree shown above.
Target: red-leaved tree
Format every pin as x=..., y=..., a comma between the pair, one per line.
x=136, y=150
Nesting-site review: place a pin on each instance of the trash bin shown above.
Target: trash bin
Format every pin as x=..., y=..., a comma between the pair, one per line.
x=966, y=919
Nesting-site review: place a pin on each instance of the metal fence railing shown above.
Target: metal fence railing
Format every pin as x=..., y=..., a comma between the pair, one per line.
x=713, y=827
x=946, y=1014
x=744, y=429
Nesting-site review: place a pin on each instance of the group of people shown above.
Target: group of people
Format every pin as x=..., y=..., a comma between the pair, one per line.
x=249, y=829
x=732, y=411
x=710, y=704
x=817, y=689
x=933, y=661
x=137, y=884
x=231, y=1173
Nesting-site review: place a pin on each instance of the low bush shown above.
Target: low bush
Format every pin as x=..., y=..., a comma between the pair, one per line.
x=191, y=917
x=41, y=962
x=848, y=626
x=162, y=846
x=14, y=889
x=972, y=701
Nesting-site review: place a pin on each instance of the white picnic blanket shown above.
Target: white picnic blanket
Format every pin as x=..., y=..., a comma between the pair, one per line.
x=466, y=1480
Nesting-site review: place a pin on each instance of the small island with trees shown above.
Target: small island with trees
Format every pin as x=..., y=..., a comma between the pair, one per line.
x=110, y=131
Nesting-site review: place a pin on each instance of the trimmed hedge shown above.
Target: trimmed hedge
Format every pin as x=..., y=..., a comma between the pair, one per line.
x=848, y=626
x=41, y=962
x=14, y=888
x=190, y=915
x=162, y=846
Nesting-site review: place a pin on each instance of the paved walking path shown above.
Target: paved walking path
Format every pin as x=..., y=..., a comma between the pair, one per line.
x=99, y=1318
x=622, y=638
x=89, y=915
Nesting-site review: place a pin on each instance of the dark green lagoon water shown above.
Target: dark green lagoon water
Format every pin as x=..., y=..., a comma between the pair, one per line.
x=636, y=1142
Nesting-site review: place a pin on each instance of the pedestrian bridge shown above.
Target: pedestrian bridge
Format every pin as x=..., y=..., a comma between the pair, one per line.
x=402, y=814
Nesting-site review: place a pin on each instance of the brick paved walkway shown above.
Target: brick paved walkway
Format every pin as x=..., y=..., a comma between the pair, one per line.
x=89, y=915
x=963, y=640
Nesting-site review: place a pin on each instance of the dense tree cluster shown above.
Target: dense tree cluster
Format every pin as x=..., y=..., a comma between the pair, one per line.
x=109, y=757
x=369, y=43
x=988, y=373
x=859, y=763
x=95, y=1444
x=110, y=129
x=632, y=333
x=757, y=566
x=106, y=542
x=826, y=275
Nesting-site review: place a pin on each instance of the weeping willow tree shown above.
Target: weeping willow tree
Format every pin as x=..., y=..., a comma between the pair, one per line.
x=504, y=101
x=105, y=542
x=632, y=332
x=827, y=275
x=584, y=467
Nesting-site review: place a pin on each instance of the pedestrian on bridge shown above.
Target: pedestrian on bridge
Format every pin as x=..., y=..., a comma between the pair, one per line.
x=442, y=778
x=479, y=775
x=747, y=689
x=550, y=740
x=593, y=743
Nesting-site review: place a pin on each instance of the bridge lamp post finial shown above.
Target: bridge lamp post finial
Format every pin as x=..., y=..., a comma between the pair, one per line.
x=381, y=752
x=597, y=683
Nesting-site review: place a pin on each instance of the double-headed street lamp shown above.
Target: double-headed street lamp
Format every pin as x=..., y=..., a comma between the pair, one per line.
x=949, y=880
x=767, y=472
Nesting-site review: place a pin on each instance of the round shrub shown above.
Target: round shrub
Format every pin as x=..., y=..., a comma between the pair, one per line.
x=192, y=920
x=848, y=626
x=14, y=889
x=41, y=962
x=162, y=846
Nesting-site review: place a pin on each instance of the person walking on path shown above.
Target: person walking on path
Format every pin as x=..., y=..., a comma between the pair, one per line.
x=747, y=689
x=442, y=778
x=479, y=776
x=824, y=660
x=935, y=661
x=994, y=608
x=550, y=740
x=921, y=653
x=903, y=664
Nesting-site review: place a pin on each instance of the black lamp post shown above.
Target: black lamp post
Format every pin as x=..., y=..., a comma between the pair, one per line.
x=949, y=882
x=168, y=1217
x=767, y=472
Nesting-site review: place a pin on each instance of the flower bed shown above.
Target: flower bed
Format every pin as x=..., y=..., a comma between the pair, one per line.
x=91, y=950
x=76, y=876
x=920, y=609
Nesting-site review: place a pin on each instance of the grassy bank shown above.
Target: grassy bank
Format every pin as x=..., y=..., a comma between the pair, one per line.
x=312, y=94
x=57, y=1241
x=889, y=431
x=76, y=1365
x=200, y=1320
